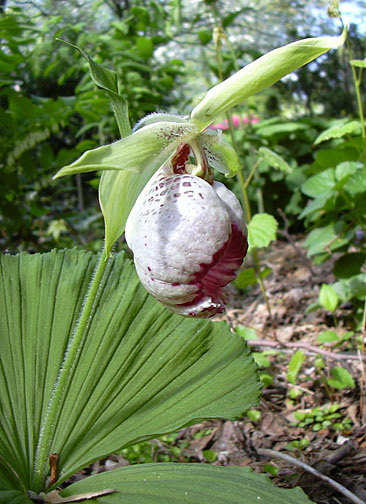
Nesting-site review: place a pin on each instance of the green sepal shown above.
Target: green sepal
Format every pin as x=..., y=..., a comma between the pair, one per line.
x=261, y=74
x=153, y=143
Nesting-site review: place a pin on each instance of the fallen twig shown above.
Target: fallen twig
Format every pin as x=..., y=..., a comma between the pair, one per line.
x=340, y=488
x=306, y=346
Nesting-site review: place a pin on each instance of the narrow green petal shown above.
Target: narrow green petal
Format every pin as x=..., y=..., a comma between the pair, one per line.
x=260, y=74
x=133, y=153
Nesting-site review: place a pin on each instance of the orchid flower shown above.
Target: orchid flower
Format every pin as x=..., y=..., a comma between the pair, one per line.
x=186, y=233
x=185, y=229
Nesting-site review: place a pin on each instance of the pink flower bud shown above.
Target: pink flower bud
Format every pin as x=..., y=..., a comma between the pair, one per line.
x=187, y=238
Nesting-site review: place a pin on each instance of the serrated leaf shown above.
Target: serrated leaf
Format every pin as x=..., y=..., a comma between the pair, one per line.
x=295, y=365
x=319, y=184
x=186, y=484
x=262, y=230
x=260, y=74
x=140, y=371
x=274, y=160
x=328, y=297
x=338, y=131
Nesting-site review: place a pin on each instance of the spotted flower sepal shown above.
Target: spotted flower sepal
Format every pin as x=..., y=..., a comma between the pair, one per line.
x=186, y=233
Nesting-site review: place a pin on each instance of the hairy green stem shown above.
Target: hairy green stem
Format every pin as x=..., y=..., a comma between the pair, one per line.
x=47, y=431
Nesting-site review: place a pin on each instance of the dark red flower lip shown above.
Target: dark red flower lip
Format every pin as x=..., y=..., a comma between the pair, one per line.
x=214, y=276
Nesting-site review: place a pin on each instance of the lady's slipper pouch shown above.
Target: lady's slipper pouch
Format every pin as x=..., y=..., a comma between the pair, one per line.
x=186, y=233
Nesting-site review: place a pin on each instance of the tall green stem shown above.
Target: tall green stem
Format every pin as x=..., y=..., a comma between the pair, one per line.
x=357, y=81
x=243, y=183
x=47, y=431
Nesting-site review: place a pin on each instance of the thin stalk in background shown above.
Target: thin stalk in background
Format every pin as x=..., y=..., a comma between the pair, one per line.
x=357, y=79
x=219, y=34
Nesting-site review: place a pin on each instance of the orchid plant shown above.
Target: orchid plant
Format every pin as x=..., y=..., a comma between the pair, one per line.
x=186, y=246
x=89, y=368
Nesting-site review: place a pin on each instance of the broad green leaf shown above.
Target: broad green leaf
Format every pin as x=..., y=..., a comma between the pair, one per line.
x=358, y=63
x=274, y=160
x=295, y=365
x=356, y=183
x=186, y=484
x=140, y=371
x=145, y=46
x=246, y=332
x=14, y=497
x=317, y=204
x=262, y=230
x=347, y=168
x=260, y=74
x=152, y=144
x=324, y=240
x=327, y=337
x=341, y=378
x=269, y=130
x=338, y=131
x=246, y=278
x=328, y=297
x=319, y=184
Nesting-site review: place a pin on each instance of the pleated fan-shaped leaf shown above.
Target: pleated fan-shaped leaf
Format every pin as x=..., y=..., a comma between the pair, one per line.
x=140, y=371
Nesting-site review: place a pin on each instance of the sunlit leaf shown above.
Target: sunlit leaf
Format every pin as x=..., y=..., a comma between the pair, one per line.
x=341, y=378
x=338, y=131
x=358, y=63
x=319, y=184
x=262, y=230
x=328, y=297
x=294, y=367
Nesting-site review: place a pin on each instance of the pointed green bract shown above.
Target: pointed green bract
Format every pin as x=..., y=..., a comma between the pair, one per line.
x=118, y=192
x=140, y=371
x=107, y=79
x=186, y=484
x=260, y=74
